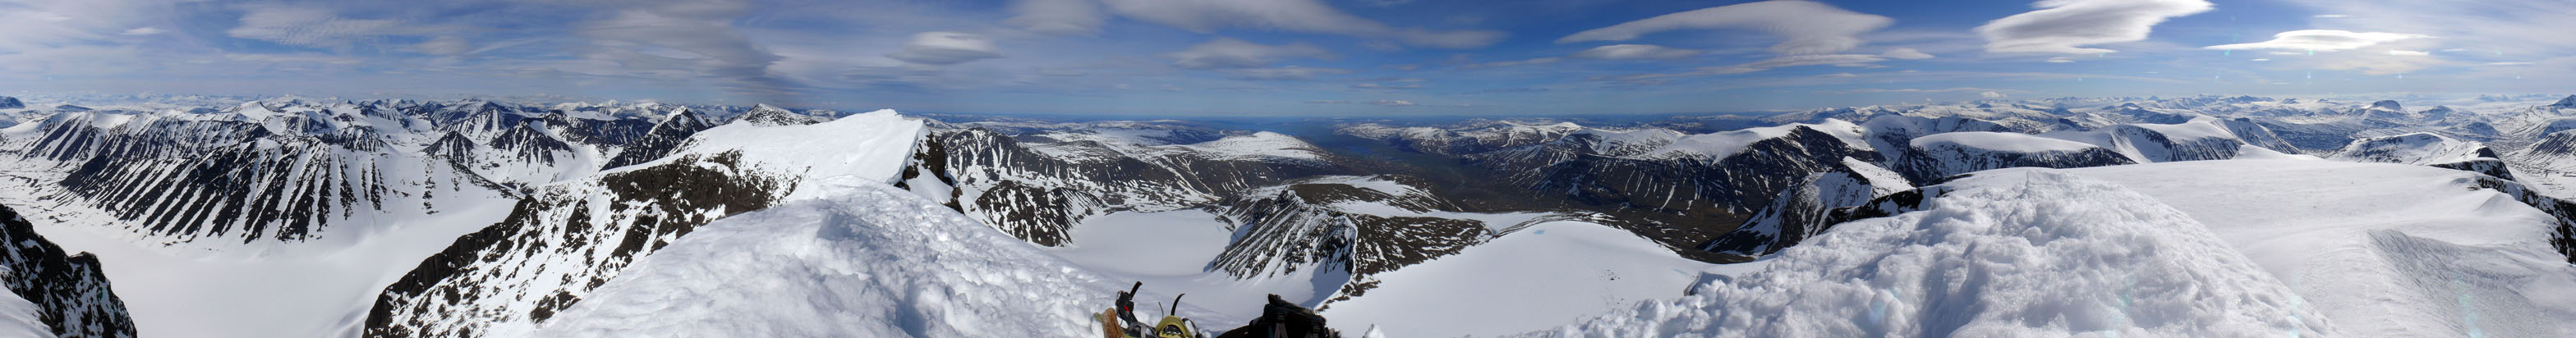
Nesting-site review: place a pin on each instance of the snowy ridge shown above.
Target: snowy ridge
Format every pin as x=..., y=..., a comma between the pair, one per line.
x=2006, y=260
x=2416, y=148
x=865, y=262
x=2200, y=139
x=1716, y=146
x=577, y=235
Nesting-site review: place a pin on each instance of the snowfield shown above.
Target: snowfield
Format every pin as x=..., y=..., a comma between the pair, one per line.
x=2049, y=255
x=2229, y=248
x=869, y=261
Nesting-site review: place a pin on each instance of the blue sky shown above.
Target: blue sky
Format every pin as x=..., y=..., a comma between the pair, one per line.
x=1289, y=57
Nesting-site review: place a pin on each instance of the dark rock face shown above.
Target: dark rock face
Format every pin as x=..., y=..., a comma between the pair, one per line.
x=1684, y=201
x=664, y=138
x=302, y=186
x=70, y=292
x=11, y=103
x=1802, y=212
x=1300, y=225
x=546, y=255
x=1932, y=164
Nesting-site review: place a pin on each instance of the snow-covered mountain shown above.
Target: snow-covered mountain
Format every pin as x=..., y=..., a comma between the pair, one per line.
x=1938, y=156
x=52, y=292
x=491, y=218
x=2426, y=149
x=1038, y=184
x=571, y=237
x=2200, y=248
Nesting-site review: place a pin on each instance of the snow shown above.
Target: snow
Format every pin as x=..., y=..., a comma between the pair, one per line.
x=866, y=262
x=859, y=149
x=1720, y=145
x=2037, y=254
x=306, y=290
x=1999, y=141
x=1545, y=275
x=1169, y=251
x=2414, y=148
x=2383, y=250
x=18, y=318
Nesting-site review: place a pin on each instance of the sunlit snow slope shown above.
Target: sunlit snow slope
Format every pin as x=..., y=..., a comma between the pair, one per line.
x=2280, y=247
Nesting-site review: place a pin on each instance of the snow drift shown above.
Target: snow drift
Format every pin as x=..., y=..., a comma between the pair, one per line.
x=2050, y=255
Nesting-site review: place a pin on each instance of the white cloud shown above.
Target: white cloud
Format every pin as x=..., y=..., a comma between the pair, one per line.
x=2322, y=40
x=1232, y=53
x=142, y=31
x=1293, y=15
x=1057, y=16
x=2064, y=26
x=308, y=26
x=1391, y=102
x=2508, y=63
x=945, y=48
x=2262, y=60
x=2332, y=16
x=1905, y=54
x=1991, y=95
x=1806, y=27
x=1285, y=73
x=2409, y=53
x=2060, y=59
x=1384, y=86
x=444, y=45
x=1634, y=52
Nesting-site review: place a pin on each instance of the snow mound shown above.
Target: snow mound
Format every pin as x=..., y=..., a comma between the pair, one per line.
x=1997, y=141
x=868, y=262
x=2052, y=255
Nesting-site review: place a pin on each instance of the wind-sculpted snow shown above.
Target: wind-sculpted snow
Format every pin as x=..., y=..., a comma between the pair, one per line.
x=2053, y=255
x=868, y=262
x=66, y=293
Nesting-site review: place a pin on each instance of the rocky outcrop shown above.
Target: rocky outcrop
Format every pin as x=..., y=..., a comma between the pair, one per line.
x=70, y=292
